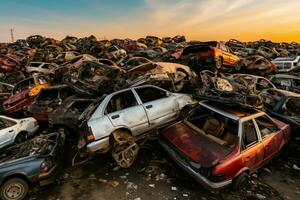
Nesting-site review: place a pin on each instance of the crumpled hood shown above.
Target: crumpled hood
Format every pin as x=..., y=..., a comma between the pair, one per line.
x=197, y=147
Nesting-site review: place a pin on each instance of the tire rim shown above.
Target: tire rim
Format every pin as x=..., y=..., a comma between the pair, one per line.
x=14, y=191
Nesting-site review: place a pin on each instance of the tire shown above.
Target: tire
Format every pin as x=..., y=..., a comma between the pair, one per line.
x=219, y=63
x=240, y=181
x=14, y=189
x=21, y=137
x=125, y=149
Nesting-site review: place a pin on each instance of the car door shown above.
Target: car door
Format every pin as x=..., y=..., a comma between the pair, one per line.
x=160, y=105
x=252, y=150
x=6, y=133
x=123, y=110
x=272, y=137
x=226, y=54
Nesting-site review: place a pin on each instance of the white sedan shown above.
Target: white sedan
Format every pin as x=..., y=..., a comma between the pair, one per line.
x=16, y=130
x=119, y=120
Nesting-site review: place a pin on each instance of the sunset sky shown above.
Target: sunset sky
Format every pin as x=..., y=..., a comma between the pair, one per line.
x=245, y=20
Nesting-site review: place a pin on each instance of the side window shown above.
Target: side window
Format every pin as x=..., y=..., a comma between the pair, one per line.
x=223, y=48
x=148, y=94
x=249, y=134
x=281, y=83
x=45, y=66
x=266, y=126
x=121, y=101
x=2, y=125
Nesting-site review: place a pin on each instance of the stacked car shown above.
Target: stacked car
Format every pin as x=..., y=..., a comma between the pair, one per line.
x=219, y=109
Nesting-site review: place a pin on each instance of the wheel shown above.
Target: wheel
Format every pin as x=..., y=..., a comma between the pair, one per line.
x=125, y=149
x=240, y=181
x=219, y=63
x=14, y=189
x=21, y=137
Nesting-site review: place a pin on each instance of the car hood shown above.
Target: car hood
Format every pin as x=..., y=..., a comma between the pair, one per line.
x=194, y=145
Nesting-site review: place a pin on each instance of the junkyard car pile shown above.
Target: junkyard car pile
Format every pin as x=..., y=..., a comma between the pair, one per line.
x=207, y=102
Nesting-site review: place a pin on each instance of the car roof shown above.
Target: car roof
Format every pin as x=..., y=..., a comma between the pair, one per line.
x=236, y=113
x=286, y=76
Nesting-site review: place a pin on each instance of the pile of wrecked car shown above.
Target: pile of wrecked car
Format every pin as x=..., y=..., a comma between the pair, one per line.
x=220, y=109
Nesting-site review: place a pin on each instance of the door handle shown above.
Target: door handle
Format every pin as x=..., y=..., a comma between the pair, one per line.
x=149, y=106
x=10, y=131
x=115, y=116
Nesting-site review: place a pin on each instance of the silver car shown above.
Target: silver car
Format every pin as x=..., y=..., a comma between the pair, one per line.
x=16, y=130
x=121, y=118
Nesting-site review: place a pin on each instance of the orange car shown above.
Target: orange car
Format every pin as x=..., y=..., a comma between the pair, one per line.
x=208, y=54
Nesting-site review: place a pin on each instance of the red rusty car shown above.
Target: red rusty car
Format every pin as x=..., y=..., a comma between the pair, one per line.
x=23, y=93
x=219, y=145
x=208, y=54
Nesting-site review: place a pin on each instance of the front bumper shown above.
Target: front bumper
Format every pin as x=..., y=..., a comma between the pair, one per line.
x=185, y=166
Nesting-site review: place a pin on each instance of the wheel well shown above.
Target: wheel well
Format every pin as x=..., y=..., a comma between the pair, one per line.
x=247, y=171
x=184, y=71
x=21, y=133
x=111, y=136
x=21, y=176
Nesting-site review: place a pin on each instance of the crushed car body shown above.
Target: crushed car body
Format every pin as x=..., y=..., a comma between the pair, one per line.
x=35, y=161
x=235, y=89
x=111, y=119
x=285, y=106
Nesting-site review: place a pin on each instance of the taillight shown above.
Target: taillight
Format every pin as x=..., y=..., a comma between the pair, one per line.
x=34, y=91
x=90, y=137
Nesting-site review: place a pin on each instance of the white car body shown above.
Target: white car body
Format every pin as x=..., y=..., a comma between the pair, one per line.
x=41, y=67
x=10, y=128
x=285, y=64
x=145, y=115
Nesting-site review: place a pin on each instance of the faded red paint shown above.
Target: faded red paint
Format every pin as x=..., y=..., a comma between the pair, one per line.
x=225, y=163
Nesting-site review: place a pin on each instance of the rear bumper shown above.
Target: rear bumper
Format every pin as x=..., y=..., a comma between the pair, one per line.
x=34, y=130
x=98, y=145
x=198, y=177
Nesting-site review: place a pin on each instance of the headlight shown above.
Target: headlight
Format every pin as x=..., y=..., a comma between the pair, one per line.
x=46, y=166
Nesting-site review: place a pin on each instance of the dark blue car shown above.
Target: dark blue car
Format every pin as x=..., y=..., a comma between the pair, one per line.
x=32, y=162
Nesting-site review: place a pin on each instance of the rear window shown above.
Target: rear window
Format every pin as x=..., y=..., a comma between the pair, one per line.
x=198, y=48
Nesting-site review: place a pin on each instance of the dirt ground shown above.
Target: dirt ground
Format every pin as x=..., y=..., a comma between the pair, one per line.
x=154, y=176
